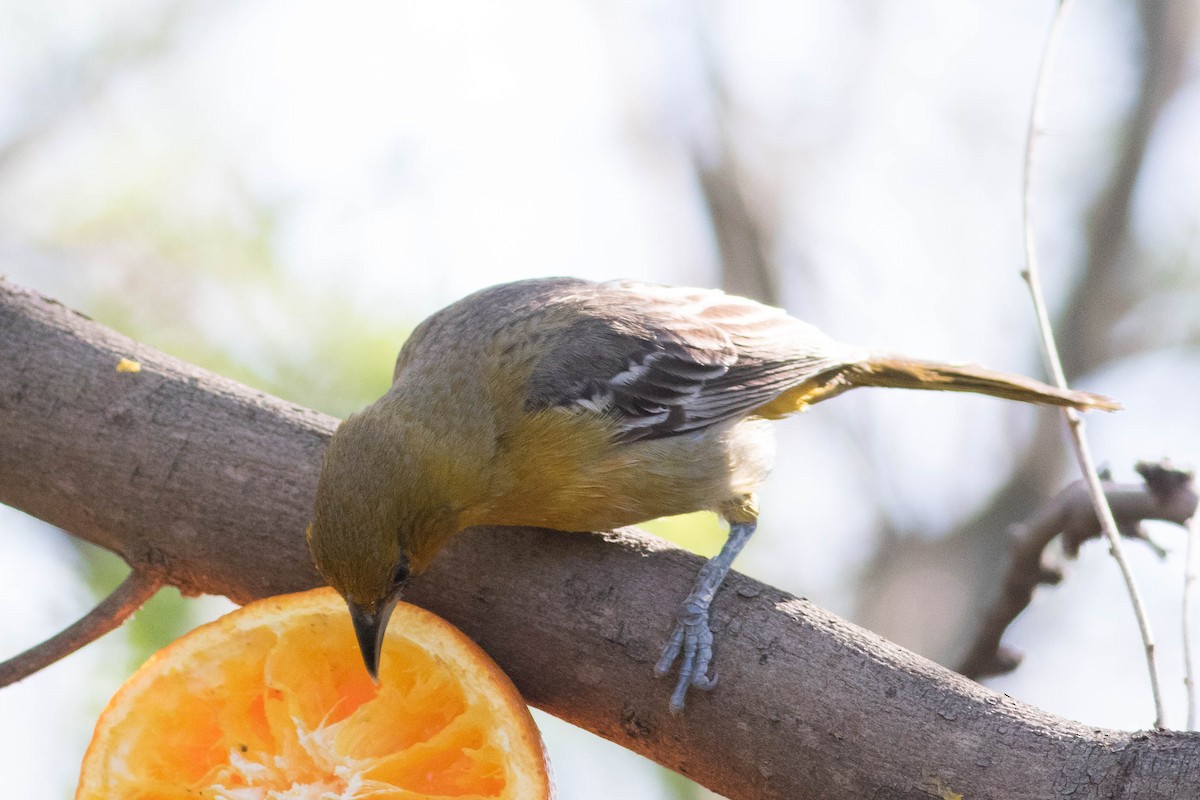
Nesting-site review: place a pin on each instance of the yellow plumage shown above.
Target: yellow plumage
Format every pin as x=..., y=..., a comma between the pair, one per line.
x=567, y=404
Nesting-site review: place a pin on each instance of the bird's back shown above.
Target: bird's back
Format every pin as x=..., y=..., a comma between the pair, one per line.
x=657, y=360
x=601, y=404
x=576, y=405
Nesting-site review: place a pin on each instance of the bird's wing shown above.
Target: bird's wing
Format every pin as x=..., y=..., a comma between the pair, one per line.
x=663, y=361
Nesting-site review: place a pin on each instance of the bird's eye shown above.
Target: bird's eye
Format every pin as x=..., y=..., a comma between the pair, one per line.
x=400, y=576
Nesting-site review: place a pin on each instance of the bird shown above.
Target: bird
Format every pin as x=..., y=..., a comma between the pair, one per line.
x=577, y=405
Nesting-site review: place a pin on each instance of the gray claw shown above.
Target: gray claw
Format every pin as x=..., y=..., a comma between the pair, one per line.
x=693, y=639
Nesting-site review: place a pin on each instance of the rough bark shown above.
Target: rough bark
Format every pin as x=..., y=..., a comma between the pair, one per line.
x=213, y=481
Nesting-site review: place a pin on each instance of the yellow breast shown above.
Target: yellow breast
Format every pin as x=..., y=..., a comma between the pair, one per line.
x=563, y=469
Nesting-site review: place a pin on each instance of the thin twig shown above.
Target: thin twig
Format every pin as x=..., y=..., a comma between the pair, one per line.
x=1189, y=585
x=1031, y=274
x=138, y=587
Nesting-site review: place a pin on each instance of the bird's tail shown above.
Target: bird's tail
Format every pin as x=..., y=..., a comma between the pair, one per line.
x=906, y=373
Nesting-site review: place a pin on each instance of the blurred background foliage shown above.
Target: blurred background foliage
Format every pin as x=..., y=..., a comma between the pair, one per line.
x=281, y=191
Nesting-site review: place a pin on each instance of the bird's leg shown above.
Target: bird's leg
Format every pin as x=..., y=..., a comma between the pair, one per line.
x=692, y=637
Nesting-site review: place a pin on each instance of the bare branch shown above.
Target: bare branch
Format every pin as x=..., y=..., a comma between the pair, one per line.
x=1167, y=494
x=139, y=586
x=1074, y=420
x=1112, y=279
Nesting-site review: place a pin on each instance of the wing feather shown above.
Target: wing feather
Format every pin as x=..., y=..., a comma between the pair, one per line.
x=664, y=361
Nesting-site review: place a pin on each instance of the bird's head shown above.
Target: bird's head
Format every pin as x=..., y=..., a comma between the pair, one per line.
x=374, y=522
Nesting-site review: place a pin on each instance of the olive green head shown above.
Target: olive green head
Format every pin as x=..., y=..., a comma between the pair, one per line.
x=372, y=522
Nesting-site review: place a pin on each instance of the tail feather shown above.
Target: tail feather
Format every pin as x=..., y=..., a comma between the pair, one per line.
x=904, y=373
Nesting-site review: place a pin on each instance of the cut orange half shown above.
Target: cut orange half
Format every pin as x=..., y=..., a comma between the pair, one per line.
x=272, y=702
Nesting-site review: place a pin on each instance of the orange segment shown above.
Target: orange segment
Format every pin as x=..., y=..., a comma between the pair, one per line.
x=272, y=701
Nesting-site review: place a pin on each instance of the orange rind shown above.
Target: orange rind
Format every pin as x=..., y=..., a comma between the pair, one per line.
x=272, y=702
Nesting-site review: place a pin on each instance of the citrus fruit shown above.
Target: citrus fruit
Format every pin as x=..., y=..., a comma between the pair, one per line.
x=272, y=702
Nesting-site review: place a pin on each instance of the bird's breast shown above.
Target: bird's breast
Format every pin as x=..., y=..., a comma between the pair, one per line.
x=564, y=469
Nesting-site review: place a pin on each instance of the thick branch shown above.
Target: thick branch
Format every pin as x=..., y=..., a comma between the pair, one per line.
x=215, y=481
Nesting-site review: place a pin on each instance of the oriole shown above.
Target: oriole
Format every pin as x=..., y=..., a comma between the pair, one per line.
x=562, y=403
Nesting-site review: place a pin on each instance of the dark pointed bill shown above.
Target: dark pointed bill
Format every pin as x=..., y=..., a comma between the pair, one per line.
x=369, y=628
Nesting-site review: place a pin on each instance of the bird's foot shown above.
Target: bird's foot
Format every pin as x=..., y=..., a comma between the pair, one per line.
x=693, y=639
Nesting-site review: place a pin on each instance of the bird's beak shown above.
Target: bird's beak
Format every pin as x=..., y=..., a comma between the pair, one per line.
x=369, y=627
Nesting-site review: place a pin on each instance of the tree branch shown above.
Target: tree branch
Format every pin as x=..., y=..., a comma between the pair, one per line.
x=1113, y=279
x=1167, y=494
x=215, y=481
x=139, y=586
x=1076, y=429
